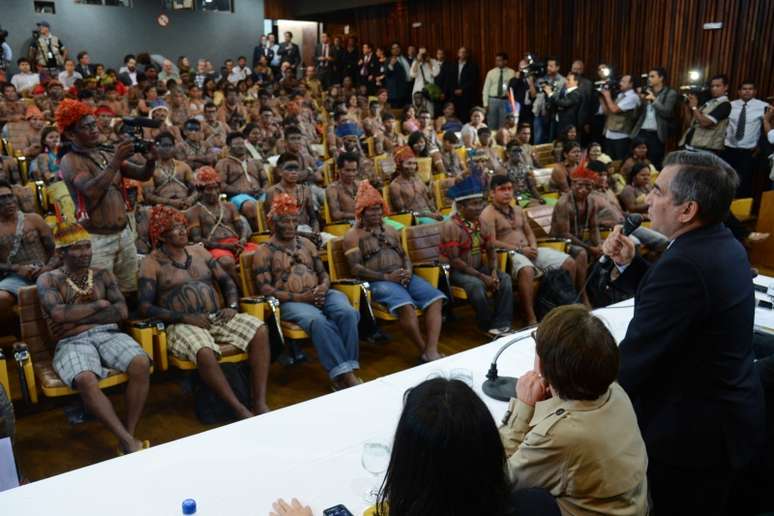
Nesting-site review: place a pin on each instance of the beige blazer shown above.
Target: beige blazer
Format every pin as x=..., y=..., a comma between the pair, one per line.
x=588, y=454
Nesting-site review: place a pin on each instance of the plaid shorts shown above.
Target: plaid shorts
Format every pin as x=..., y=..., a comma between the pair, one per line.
x=117, y=253
x=95, y=350
x=186, y=340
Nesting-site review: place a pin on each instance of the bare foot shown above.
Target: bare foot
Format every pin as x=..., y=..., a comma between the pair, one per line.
x=431, y=356
x=261, y=408
x=131, y=446
x=243, y=413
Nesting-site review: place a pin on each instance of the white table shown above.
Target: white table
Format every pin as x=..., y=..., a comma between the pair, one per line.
x=310, y=450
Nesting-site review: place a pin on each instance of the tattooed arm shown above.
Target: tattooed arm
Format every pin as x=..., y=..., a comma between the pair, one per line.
x=54, y=305
x=228, y=288
x=193, y=194
x=323, y=280
x=117, y=311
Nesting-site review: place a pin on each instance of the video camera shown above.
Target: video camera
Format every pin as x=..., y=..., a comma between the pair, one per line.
x=3, y=35
x=608, y=81
x=534, y=67
x=695, y=85
x=133, y=127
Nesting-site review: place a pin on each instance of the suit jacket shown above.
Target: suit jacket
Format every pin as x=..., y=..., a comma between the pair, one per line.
x=396, y=81
x=664, y=107
x=465, y=81
x=260, y=50
x=567, y=106
x=318, y=52
x=446, y=78
x=587, y=90
x=290, y=53
x=85, y=71
x=687, y=359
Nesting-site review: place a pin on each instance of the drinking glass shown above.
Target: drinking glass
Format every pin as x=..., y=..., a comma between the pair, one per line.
x=375, y=459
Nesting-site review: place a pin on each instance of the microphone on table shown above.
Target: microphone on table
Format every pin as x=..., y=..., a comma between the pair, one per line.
x=502, y=388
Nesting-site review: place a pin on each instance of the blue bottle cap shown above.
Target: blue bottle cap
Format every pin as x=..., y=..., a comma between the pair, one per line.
x=189, y=506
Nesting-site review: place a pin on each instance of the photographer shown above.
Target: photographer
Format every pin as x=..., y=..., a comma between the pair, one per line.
x=423, y=71
x=520, y=87
x=542, y=126
x=495, y=94
x=47, y=51
x=6, y=54
x=709, y=120
x=95, y=180
x=621, y=115
x=657, y=120
x=566, y=104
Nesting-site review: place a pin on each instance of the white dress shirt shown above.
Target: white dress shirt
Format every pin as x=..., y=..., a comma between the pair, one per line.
x=753, y=120
x=627, y=101
x=25, y=81
x=68, y=80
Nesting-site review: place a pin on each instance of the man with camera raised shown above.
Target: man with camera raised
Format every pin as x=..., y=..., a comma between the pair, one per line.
x=97, y=182
x=658, y=118
x=621, y=115
x=47, y=51
x=709, y=120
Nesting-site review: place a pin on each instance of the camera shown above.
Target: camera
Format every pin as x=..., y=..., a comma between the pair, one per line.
x=133, y=127
x=695, y=85
x=608, y=81
x=534, y=67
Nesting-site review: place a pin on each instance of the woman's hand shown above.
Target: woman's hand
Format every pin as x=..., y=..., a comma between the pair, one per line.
x=294, y=508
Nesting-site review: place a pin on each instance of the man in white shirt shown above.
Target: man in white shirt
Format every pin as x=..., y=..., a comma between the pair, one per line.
x=69, y=75
x=621, y=116
x=742, y=134
x=240, y=71
x=495, y=92
x=768, y=128
x=25, y=80
x=6, y=54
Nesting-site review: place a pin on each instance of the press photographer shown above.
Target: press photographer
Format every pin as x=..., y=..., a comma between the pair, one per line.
x=657, y=120
x=46, y=50
x=6, y=54
x=96, y=179
x=621, y=114
x=708, y=120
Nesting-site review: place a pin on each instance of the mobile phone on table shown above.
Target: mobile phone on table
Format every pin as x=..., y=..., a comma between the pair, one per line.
x=337, y=510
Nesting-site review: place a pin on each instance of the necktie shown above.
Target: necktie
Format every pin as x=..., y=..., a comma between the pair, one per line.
x=741, y=123
x=500, y=84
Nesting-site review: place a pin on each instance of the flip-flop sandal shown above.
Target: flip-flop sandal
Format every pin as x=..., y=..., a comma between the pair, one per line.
x=121, y=453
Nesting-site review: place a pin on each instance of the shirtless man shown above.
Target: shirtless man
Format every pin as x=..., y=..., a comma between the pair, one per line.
x=311, y=168
x=288, y=268
x=26, y=248
x=82, y=306
x=172, y=181
x=177, y=286
x=289, y=169
x=215, y=131
x=527, y=149
x=232, y=106
x=409, y=193
x=194, y=149
x=115, y=102
x=270, y=132
x=217, y=224
x=341, y=193
x=242, y=178
x=510, y=230
x=107, y=134
x=507, y=133
x=519, y=173
x=575, y=218
x=493, y=161
x=12, y=108
x=463, y=241
x=375, y=254
x=28, y=142
x=49, y=102
x=349, y=135
x=94, y=179
x=374, y=126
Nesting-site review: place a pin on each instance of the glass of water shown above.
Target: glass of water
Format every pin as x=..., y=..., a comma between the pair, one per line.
x=375, y=459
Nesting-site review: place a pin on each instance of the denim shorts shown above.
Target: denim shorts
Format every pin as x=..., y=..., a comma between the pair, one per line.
x=394, y=295
x=13, y=282
x=239, y=199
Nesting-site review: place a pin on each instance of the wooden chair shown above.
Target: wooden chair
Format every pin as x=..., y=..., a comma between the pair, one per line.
x=35, y=351
x=405, y=217
x=329, y=171
x=425, y=169
x=263, y=234
x=440, y=187
x=4, y=383
x=462, y=153
x=544, y=153
x=370, y=146
x=742, y=208
x=421, y=243
x=540, y=219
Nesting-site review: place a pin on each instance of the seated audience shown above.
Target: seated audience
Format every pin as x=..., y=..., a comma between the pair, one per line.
x=453, y=167
x=83, y=307
x=463, y=243
x=374, y=253
x=288, y=268
x=172, y=181
x=571, y=429
x=562, y=173
x=47, y=163
x=511, y=230
x=177, y=285
x=639, y=155
x=519, y=173
x=637, y=189
x=470, y=130
x=290, y=169
x=242, y=178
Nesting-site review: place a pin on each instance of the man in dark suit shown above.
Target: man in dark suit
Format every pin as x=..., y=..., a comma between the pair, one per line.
x=463, y=85
x=290, y=52
x=397, y=77
x=368, y=68
x=84, y=66
x=520, y=88
x=444, y=79
x=324, y=57
x=565, y=104
x=687, y=359
x=587, y=90
x=262, y=49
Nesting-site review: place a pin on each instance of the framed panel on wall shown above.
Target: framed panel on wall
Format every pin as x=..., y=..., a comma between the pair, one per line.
x=217, y=6
x=178, y=5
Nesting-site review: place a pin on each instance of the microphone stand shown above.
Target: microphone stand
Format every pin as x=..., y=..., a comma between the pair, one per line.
x=502, y=388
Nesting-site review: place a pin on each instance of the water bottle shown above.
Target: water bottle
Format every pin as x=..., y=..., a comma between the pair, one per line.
x=189, y=506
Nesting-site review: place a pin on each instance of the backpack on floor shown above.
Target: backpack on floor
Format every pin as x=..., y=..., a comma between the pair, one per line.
x=210, y=408
x=556, y=289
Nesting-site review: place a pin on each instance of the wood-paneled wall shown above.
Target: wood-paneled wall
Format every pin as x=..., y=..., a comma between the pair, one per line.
x=632, y=35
